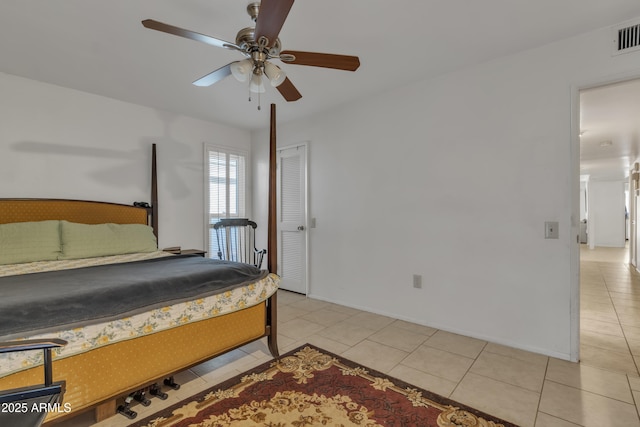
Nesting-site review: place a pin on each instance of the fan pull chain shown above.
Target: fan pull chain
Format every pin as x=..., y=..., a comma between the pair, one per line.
x=259, y=108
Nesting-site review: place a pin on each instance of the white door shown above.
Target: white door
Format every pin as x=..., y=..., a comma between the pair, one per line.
x=292, y=218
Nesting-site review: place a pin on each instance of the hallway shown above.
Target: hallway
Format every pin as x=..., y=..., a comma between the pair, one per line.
x=609, y=310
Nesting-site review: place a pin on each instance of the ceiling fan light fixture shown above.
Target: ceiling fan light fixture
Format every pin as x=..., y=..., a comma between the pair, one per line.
x=274, y=73
x=256, y=85
x=259, y=44
x=241, y=70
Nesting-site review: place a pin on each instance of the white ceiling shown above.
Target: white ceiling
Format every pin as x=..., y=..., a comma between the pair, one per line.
x=610, y=126
x=101, y=47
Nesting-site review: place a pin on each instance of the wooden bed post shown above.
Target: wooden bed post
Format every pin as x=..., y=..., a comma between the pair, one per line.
x=272, y=235
x=272, y=245
x=154, y=191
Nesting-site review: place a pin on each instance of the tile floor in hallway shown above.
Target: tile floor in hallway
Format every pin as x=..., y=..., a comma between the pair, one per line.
x=527, y=389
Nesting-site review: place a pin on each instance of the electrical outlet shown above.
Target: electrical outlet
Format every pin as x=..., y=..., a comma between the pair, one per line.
x=417, y=281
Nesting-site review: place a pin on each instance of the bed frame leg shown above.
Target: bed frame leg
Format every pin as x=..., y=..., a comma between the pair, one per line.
x=170, y=382
x=156, y=391
x=125, y=408
x=140, y=396
x=272, y=325
x=105, y=410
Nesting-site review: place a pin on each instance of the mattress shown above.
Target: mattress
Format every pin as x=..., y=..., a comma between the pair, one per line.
x=86, y=338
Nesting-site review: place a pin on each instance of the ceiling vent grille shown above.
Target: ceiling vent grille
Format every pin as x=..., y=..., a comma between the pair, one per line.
x=626, y=38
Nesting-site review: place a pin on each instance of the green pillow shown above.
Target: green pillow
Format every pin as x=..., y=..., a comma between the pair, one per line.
x=94, y=240
x=29, y=241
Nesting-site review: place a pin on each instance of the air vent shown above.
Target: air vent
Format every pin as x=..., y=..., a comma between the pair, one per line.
x=626, y=38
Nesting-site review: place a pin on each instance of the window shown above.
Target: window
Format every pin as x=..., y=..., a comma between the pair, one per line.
x=225, y=192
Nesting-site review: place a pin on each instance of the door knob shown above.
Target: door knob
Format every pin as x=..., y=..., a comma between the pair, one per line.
x=301, y=228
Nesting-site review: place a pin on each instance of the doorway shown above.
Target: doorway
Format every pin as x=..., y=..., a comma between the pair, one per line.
x=608, y=148
x=291, y=184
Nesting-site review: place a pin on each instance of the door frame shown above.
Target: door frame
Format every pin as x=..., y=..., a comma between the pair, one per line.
x=574, y=184
x=305, y=160
x=633, y=217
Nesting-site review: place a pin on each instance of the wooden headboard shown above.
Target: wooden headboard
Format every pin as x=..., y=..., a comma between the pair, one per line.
x=82, y=211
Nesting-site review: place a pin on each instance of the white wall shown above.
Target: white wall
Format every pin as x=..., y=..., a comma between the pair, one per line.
x=606, y=213
x=453, y=178
x=61, y=143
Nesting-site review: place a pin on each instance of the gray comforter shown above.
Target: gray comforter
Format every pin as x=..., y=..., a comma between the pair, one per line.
x=45, y=302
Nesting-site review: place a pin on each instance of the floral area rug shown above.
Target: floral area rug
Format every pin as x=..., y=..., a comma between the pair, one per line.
x=312, y=387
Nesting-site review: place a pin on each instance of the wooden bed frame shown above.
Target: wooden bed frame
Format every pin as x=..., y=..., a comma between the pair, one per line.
x=97, y=378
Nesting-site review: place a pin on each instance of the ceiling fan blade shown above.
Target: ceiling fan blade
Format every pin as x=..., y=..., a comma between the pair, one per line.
x=326, y=60
x=271, y=18
x=177, y=31
x=214, y=76
x=288, y=90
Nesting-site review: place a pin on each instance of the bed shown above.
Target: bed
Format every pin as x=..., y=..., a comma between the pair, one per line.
x=133, y=341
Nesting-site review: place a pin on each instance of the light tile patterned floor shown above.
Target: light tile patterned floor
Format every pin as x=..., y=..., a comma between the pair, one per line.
x=528, y=389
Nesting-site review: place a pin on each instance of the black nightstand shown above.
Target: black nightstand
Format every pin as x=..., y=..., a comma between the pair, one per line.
x=193, y=252
x=179, y=251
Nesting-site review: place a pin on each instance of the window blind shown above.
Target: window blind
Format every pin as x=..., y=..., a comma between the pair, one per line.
x=227, y=192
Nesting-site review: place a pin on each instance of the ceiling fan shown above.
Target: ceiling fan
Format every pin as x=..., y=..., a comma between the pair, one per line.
x=260, y=44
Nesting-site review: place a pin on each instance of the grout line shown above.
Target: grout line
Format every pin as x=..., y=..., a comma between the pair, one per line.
x=593, y=393
x=475, y=359
x=544, y=381
x=559, y=418
x=619, y=322
x=633, y=396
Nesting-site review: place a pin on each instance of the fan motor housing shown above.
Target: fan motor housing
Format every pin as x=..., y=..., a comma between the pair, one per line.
x=245, y=39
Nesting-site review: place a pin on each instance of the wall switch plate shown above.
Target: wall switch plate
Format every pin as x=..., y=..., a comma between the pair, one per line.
x=551, y=230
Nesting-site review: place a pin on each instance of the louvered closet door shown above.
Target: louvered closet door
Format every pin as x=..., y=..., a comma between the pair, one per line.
x=292, y=215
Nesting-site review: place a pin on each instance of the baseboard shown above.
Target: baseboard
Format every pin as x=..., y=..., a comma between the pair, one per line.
x=445, y=328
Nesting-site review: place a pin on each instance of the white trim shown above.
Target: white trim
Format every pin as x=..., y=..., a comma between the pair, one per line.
x=466, y=333
x=574, y=247
x=206, y=147
x=304, y=144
